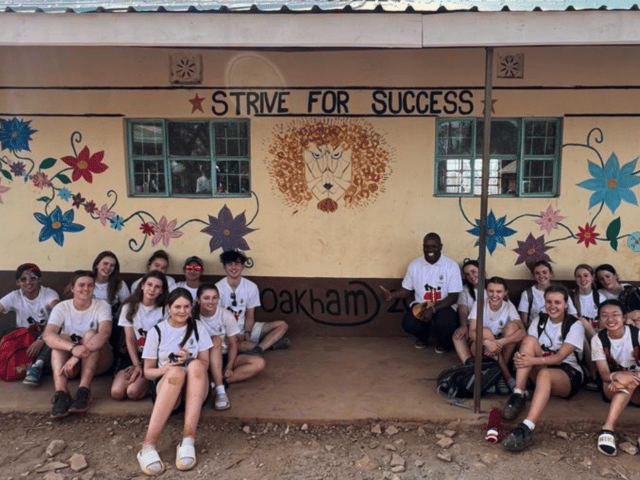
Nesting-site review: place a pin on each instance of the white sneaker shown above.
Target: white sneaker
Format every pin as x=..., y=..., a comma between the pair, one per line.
x=221, y=401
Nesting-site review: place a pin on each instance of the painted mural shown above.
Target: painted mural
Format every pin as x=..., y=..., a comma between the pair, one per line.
x=329, y=162
x=60, y=182
x=610, y=184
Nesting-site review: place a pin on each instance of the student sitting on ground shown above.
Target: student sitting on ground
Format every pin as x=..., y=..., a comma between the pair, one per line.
x=109, y=286
x=549, y=356
x=617, y=361
x=241, y=297
x=466, y=299
x=176, y=356
x=139, y=314
x=611, y=288
x=158, y=262
x=32, y=304
x=77, y=333
x=225, y=363
x=193, y=268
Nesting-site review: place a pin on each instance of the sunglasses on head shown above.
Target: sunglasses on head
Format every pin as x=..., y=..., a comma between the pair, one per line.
x=193, y=268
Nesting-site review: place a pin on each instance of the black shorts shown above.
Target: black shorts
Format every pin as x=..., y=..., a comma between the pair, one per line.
x=575, y=377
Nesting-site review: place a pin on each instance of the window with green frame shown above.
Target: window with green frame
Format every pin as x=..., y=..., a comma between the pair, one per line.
x=524, y=160
x=188, y=158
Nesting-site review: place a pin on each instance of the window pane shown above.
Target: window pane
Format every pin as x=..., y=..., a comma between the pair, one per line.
x=189, y=139
x=231, y=139
x=504, y=137
x=190, y=177
x=540, y=137
x=502, y=177
x=454, y=137
x=149, y=176
x=454, y=176
x=147, y=139
x=538, y=176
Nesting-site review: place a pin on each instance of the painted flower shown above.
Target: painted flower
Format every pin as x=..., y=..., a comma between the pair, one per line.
x=40, y=180
x=17, y=168
x=147, y=229
x=64, y=194
x=549, y=219
x=116, y=222
x=227, y=232
x=90, y=206
x=105, y=214
x=496, y=231
x=3, y=189
x=532, y=250
x=633, y=242
x=15, y=134
x=165, y=231
x=78, y=200
x=56, y=224
x=587, y=234
x=611, y=184
x=85, y=164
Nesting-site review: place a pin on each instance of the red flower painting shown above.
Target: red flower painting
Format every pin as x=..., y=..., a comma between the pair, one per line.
x=86, y=164
x=588, y=235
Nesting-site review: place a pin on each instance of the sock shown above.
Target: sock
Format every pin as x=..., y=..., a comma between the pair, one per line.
x=213, y=385
x=529, y=424
x=219, y=389
x=512, y=383
x=518, y=391
x=188, y=441
x=39, y=363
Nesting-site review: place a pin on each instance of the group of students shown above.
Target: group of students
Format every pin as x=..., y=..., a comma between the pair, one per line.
x=555, y=341
x=179, y=343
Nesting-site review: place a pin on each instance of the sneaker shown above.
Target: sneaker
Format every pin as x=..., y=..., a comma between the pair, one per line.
x=519, y=438
x=61, y=403
x=34, y=372
x=281, y=344
x=81, y=402
x=253, y=351
x=502, y=387
x=221, y=401
x=440, y=349
x=420, y=344
x=515, y=405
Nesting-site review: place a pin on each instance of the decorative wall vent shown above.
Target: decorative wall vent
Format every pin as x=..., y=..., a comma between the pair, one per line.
x=511, y=65
x=185, y=68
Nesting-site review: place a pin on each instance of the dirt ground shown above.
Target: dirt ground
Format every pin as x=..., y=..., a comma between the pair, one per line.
x=232, y=450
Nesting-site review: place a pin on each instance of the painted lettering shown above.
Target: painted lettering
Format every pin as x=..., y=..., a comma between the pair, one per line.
x=331, y=102
x=466, y=97
x=333, y=302
x=351, y=298
x=218, y=99
x=315, y=301
x=271, y=305
x=422, y=102
x=286, y=302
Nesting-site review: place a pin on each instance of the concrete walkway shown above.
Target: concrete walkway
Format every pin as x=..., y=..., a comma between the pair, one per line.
x=331, y=380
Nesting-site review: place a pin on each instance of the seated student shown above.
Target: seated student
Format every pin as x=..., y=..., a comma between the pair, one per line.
x=502, y=329
x=158, y=262
x=193, y=268
x=225, y=363
x=32, y=304
x=610, y=285
x=549, y=356
x=139, y=314
x=241, y=297
x=466, y=299
x=613, y=351
x=176, y=356
x=532, y=299
x=109, y=286
x=77, y=333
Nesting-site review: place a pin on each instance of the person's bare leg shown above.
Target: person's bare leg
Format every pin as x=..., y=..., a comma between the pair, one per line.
x=215, y=356
x=272, y=332
x=195, y=395
x=245, y=367
x=549, y=381
x=461, y=346
x=169, y=389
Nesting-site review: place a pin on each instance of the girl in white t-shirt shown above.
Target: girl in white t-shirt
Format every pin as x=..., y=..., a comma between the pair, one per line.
x=225, y=363
x=547, y=356
x=466, y=299
x=618, y=370
x=139, y=314
x=158, y=262
x=176, y=358
x=612, y=288
x=109, y=286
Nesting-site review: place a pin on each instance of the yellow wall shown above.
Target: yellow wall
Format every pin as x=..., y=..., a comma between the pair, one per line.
x=374, y=240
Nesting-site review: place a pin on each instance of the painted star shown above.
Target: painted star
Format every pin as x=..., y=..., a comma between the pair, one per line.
x=493, y=103
x=196, y=103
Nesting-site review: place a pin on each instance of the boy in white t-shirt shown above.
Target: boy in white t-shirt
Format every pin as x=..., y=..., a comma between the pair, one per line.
x=193, y=268
x=32, y=304
x=241, y=297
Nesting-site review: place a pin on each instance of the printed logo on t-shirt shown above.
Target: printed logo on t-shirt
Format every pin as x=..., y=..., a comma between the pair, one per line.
x=75, y=338
x=142, y=338
x=432, y=294
x=236, y=314
x=173, y=358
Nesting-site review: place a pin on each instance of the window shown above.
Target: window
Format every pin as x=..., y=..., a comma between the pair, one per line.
x=524, y=161
x=175, y=158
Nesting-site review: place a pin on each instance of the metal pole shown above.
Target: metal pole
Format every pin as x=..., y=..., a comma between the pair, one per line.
x=484, y=197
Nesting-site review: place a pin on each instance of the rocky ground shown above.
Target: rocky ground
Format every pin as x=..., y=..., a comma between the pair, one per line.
x=99, y=447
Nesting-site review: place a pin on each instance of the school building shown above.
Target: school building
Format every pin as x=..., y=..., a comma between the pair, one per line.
x=324, y=139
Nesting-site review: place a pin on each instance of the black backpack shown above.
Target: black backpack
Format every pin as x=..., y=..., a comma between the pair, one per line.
x=567, y=323
x=606, y=347
x=458, y=382
x=630, y=299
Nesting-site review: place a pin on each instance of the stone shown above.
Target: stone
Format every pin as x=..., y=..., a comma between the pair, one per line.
x=419, y=463
x=629, y=448
x=421, y=432
x=607, y=472
x=329, y=448
x=440, y=436
x=399, y=442
x=396, y=460
x=304, y=427
x=373, y=445
x=50, y=467
x=246, y=429
x=77, y=462
x=490, y=458
x=88, y=475
x=449, y=433
x=366, y=463
x=55, y=447
x=391, y=430
x=390, y=447
x=445, y=442
x=398, y=469
x=444, y=456
x=53, y=476
x=586, y=462
x=376, y=429
x=563, y=435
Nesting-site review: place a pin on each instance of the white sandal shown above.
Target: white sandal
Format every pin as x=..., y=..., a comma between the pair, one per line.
x=607, y=443
x=185, y=457
x=148, y=457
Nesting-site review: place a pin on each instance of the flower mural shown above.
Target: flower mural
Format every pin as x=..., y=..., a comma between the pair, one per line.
x=54, y=225
x=85, y=164
x=496, y=231
x=15, y=134
x=549, y=219
x=227, y=232
x=532, y=250
x=633, y=242
x=104, y=214
x=64, y=194
x=164, y=231
x=40, y=180
x=587, y=235
x=611, y=184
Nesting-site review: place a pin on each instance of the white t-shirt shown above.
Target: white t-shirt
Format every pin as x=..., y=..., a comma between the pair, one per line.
x=247, y=296
x=171, y=283
x=588, y=308
x=192, y=290
x=537, y=305
x=76, y=323
x=29, y=312
x=171, y=338
x=551, y=338
x=143, y=321
x=101, y=291
x=495, y=321
x=222, y=324
x=621, y=350
x=612, y=296
x=432, y=282
x=466, y=299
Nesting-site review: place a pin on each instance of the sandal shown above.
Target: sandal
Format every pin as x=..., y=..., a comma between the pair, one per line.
x=185, y=457
x=607, y=443
x=150, y=462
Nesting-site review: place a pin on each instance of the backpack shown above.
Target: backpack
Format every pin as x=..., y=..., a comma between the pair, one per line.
x=630, y=299
x=567, y=323
x=458, y=382
x=606, y=347
x=13, y=354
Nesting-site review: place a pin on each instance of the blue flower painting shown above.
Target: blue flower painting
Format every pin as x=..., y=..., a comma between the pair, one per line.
x=56, y=224
x=496, y=231
x=15, y=134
